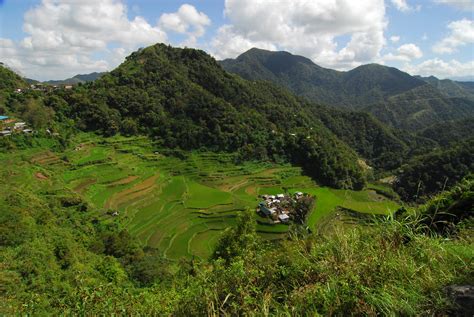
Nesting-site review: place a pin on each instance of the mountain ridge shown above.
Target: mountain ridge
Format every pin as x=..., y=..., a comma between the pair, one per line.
x=377, y=89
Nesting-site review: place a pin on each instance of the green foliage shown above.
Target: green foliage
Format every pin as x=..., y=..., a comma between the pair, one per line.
x=449, y=132
x=431, y=173
x=443, y=213
x=240, y=240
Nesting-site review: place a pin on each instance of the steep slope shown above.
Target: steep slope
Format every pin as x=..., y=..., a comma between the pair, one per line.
x=366, y=135
x=184, y=99
x=392, y=96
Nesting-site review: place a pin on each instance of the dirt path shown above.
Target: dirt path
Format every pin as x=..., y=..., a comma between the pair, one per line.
x=40, y=176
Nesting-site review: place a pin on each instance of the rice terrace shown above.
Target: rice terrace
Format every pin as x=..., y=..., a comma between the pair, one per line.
x=181, y=205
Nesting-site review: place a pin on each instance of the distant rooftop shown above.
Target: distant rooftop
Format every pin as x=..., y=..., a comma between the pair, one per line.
x=3, y=117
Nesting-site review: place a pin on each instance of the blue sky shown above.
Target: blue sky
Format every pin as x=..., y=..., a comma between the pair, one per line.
x=53, y=39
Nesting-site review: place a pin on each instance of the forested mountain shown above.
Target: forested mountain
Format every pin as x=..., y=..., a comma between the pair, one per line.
x=184, y=99
x=354, y=89
x=76, y=79
x=392, y=96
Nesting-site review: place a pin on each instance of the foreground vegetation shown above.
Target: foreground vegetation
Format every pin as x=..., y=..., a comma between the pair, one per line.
x=58, y=257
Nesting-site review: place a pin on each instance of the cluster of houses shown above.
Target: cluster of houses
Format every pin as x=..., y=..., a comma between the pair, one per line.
x=42, y=87
x=278, y=207
x=9, y=125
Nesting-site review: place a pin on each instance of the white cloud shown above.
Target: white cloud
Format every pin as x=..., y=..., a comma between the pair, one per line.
x=238, y=44
x=63, y=36
x=410, y=50
x=405, y=53
x=395, y=38
x=467, y=5
x=309, y=28
x=441, y=69
x=401, y=5
x=461, y=33
x=187, y=20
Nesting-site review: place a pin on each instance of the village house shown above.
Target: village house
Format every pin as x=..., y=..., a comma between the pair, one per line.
x=278, y=207
x=5, y=133
x=19, y=126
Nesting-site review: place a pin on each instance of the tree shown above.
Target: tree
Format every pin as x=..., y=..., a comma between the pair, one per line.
x=239, y=240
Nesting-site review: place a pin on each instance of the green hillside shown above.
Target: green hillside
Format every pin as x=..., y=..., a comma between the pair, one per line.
x=421, y=108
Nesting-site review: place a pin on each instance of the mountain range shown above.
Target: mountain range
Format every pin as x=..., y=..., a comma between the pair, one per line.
x=392, y=96
x=84, y=78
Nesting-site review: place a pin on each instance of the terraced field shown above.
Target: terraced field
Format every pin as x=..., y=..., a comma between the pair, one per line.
x=181, y=206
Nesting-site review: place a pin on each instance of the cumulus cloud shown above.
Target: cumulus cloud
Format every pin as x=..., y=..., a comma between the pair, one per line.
x=410, y=50
x=405, y=53
x=467, y=5
x=441, y=68
x=187, y=20
x=308, y=28
x=63, y=36
x=461, y=33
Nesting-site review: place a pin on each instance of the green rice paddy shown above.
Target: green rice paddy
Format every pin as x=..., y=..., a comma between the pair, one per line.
x=181, y=206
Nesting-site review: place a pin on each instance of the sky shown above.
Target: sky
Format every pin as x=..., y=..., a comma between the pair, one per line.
x=57, y=39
